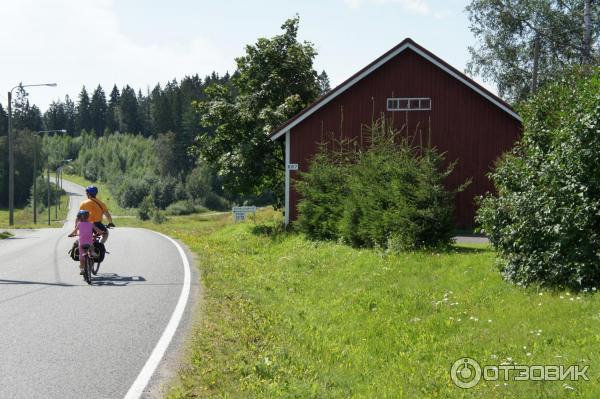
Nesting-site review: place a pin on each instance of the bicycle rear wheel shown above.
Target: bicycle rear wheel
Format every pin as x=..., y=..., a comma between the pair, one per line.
x=95, y=267
x=87, y=273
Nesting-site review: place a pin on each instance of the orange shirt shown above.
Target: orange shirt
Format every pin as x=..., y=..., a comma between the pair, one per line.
x=95, y=207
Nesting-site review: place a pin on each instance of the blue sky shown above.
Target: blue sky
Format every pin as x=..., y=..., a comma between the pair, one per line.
x=141, y=42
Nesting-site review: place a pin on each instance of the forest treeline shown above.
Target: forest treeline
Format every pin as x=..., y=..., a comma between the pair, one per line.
x=196, y=142
x=164, y=119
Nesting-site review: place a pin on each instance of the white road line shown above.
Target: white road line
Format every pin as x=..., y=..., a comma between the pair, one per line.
x=143, y=378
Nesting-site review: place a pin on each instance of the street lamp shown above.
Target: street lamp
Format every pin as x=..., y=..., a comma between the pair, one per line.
x=35, y=151
x=11, y=155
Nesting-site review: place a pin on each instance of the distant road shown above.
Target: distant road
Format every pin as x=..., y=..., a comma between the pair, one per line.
x=61, y=338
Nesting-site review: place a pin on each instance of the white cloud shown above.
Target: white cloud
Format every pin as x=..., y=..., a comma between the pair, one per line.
x=77, y=42
x=353, y=3
x=413, y=6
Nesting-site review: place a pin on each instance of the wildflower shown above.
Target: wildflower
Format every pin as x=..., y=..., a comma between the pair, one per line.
x=566, y=386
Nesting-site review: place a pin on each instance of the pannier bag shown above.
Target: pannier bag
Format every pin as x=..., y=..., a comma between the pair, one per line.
x=74, y=251
x=99, y=248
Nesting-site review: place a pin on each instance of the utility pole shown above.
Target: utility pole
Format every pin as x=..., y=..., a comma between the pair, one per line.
x=11, y=165
x=57, y=196
x=35, y=178
x=48, y=187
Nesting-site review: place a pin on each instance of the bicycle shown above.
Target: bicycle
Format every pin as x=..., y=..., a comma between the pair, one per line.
x=91, y=263
x=88, y=262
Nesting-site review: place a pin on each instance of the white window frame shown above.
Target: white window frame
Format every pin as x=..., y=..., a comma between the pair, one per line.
x=393, y=103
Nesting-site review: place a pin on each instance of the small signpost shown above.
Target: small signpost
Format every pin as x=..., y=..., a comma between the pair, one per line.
x=292, y=166
x=239, y=213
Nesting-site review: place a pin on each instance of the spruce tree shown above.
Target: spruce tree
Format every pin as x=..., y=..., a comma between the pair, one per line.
x=98, y=110
x=112, y=120
x=84, y=121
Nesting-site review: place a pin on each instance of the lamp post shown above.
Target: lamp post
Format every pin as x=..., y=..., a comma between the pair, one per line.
x=35, y=151
x=11, y=155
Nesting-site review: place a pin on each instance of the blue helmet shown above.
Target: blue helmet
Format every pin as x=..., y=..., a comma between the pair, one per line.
x=92, y=190
x=83, y=213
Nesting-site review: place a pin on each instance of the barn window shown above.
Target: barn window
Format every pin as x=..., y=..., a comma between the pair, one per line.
x=409, y=104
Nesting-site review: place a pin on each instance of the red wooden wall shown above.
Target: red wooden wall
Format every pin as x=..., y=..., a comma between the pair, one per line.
x=464, y=124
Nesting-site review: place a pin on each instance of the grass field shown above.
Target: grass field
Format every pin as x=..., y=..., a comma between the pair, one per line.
x=282, y=316
x=286, y=317
x=24, y=217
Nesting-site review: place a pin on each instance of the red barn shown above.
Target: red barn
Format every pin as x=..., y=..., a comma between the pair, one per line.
x=421, y=91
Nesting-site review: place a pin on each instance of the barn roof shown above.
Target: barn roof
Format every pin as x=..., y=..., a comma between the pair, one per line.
x=405, y=44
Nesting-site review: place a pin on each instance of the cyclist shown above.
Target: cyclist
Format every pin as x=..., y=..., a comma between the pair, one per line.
x=85, y=229
x=96, y=209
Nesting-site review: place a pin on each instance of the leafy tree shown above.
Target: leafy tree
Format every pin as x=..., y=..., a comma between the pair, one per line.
x=274, y=80
x=544, y=220
x=98, y=111
x=112, y=118
x=25, y=116
x=165, y=145
x=522, y=44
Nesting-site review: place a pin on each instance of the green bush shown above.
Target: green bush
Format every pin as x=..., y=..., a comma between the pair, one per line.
x=391, y=195
x=215, y=202
x=42, y=193
x=131, y=192
x=324, y=190
x=545, y=220
x=180, y=208
x=146, y=208
x=158, y=216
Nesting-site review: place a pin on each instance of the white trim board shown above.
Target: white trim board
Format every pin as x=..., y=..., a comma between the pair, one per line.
x=287, y=177
x=382, y=61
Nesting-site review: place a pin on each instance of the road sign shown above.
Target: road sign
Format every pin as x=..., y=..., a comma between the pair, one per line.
x=239, y=212
x=292, y=166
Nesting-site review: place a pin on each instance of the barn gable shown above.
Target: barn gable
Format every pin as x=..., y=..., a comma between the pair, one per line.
x=459, y=117
x=402, y=46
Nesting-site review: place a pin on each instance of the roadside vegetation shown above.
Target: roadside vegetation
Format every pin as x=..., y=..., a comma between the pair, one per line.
x=5, y=234
x=24, y=216
x=285, y=316
x=544, y=220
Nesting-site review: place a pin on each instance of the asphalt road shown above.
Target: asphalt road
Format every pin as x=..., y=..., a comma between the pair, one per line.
x=61, y=338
